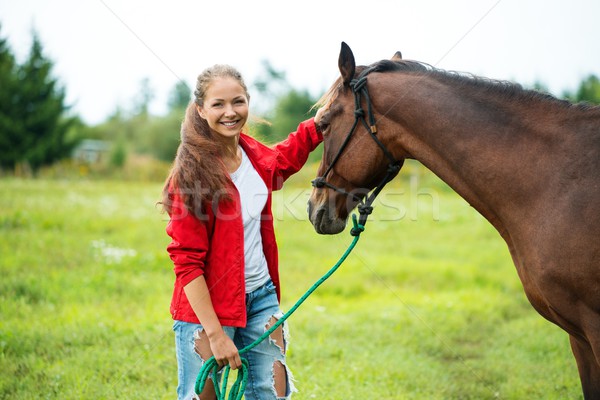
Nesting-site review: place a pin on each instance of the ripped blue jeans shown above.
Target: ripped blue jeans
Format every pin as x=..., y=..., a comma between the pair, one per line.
x=262, y=309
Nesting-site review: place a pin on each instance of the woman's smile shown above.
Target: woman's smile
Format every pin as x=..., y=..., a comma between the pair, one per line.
x=230, y=124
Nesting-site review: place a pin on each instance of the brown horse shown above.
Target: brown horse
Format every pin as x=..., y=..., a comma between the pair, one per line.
x=529, y=163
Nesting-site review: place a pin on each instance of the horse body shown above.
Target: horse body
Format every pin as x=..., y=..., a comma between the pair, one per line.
x=530, y=171
x=530, y=164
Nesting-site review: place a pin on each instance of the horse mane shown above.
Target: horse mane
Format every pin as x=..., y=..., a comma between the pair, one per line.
x=503, y=88
x=506, y=89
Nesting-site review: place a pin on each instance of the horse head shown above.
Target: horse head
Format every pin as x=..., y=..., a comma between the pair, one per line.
x=356, y=154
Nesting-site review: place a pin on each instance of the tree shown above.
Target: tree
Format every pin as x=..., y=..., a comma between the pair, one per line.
x=9, y=85
x=144, y=98
x=179, y=97
x=271, y=85
x=34, y=127
x=161, y=138
x=588, y=91
x=290, y=109
x=279, y=103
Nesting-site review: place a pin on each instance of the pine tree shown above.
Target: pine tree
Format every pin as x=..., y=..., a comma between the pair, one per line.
x=8, y=85
x=33, y=125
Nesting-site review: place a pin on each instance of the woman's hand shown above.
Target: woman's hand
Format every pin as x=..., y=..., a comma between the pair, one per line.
x=221, y=346
x=225, y=351
x=319, y=115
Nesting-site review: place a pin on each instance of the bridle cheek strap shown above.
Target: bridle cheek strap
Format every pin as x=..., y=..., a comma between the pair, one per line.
x=365, y=208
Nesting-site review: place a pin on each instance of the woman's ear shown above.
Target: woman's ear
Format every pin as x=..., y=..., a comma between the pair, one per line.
x=200, y=112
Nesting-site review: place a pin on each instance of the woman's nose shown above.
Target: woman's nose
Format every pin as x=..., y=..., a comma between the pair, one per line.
x=229, y=111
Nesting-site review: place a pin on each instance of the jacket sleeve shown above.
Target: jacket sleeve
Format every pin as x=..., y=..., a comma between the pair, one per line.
x=189, y=242
x=293, y=152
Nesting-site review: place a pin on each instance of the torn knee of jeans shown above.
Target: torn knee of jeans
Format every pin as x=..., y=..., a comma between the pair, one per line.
x=283, y=381
x=278, y=336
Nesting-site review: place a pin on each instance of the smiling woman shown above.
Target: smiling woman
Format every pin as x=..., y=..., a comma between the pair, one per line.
x=218, y=196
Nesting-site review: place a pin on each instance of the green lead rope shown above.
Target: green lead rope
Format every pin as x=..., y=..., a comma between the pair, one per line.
x=237, y=390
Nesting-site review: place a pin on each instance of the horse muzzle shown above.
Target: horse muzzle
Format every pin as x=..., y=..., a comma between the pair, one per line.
x=324, y=218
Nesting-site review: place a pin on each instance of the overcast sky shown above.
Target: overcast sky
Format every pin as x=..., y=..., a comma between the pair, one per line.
x=102, y=49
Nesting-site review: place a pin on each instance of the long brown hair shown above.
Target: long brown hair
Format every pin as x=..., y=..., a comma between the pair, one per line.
x=198, y=174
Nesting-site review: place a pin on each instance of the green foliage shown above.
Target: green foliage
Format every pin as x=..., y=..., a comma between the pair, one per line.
x=271, y=84
x=180, y=96
x=118, y=155
x=9, y=84
x=33, y=127
x=143, y=98
x=161, y=137
x=290, y=109
x=588, y=91
x=144, y=134
x=428, y=306
x=36, y=131
x=283, y=106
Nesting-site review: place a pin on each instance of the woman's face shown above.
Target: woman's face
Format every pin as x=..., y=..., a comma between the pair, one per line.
x=225, y=107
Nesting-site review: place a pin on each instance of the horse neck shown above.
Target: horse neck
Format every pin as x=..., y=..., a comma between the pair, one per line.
x=479, y=145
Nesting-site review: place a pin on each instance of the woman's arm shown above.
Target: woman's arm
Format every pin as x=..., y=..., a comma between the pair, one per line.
x=293, y=152
x=221, y=345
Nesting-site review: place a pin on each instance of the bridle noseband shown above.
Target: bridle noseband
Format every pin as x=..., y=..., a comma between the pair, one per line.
x=365, y=208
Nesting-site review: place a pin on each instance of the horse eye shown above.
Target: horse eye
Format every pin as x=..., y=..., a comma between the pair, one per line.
x=324, y=122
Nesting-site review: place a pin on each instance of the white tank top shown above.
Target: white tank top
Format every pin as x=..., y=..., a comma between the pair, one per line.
x=253, y=197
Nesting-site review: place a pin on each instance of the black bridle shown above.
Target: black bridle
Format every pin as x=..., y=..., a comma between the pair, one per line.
x=365, y=208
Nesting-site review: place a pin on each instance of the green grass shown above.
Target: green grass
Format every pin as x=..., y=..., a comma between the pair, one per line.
x=428, y=306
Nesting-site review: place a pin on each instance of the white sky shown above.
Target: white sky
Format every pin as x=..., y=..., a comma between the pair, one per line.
x=102, y=49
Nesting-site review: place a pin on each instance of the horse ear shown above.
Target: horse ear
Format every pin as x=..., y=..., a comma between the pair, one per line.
x=397, y=56
x=346, y=63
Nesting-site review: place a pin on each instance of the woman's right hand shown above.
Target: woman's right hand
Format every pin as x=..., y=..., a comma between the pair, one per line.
x=224, y=350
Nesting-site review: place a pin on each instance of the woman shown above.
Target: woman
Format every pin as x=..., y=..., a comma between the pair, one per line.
x=218, y=196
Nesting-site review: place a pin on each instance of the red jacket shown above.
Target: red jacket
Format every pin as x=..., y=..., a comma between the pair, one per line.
x=214, y=247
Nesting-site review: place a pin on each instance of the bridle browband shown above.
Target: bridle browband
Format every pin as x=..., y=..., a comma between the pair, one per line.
x=365, y=208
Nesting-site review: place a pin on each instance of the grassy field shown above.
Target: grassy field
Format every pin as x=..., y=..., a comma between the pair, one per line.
x=428, y=306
